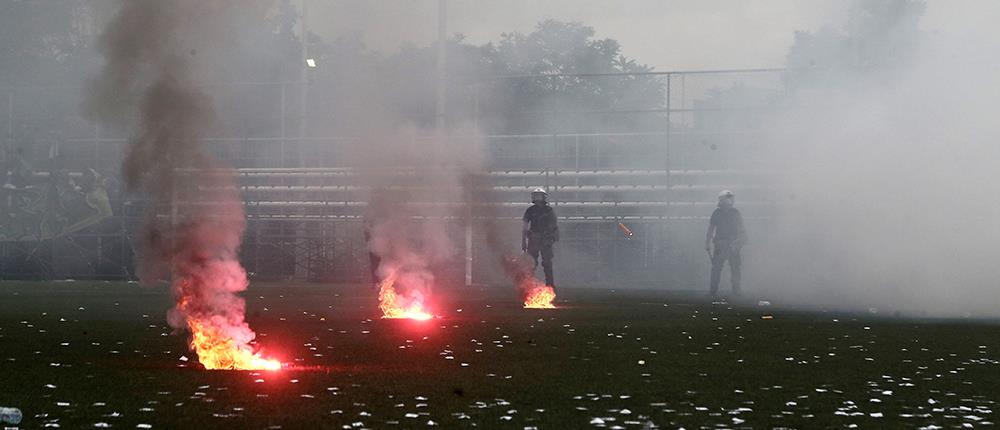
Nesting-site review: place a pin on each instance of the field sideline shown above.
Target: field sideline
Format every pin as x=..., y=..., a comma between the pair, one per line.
x=86, y=354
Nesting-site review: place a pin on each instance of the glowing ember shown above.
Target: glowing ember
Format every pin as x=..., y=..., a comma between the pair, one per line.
x=395, y=305
x=538, y=295
x=216, y=351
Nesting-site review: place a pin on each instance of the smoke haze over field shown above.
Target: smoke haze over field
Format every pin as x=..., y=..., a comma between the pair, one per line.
x=890, y=175
x=881, y=136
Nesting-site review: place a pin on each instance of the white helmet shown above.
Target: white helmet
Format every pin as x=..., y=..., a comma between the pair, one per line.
x=538, y=191
x=726, y=194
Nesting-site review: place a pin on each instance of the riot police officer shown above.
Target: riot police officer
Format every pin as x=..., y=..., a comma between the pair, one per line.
x=724, y=241
x=540, y=232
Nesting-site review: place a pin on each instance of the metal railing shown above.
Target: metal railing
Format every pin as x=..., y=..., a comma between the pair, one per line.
x=304, y=201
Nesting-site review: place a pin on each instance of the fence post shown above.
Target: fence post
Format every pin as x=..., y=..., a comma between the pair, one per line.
x=284, y=122
x=10, y=123
x=668, y=194
x=468, y=203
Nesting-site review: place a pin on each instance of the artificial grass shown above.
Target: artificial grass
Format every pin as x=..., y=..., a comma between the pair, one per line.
x=80, y=354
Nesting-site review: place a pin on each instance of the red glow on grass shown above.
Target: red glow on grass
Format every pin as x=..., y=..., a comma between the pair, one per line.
x=217, y=351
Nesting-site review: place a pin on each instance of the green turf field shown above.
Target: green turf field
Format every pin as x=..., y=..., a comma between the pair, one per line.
x=81, y=354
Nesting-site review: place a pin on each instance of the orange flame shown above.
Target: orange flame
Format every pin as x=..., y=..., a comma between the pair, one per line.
x=219, y=335
x=395, y=306
x=216, y=351
x=537, y=295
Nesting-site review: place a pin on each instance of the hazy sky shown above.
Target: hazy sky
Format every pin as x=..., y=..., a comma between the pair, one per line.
x=667, y=34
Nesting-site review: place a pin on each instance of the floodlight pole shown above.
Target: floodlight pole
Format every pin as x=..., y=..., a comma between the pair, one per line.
x=304, y=84
x=442, y=69
x=440, y=118
x=301, y=243
x=667, y=162
x=468, y=209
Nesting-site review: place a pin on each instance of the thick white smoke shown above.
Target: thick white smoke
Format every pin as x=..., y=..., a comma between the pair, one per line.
x=890, y=192
x=420, y=185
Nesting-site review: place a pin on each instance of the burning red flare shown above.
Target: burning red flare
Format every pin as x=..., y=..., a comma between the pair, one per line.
x=149, y=87
x=537, y=295
x=216, y=351
x=394, y=305
x=210, y=308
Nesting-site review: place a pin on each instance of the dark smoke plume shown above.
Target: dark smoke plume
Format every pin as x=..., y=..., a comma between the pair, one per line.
x=154, y=50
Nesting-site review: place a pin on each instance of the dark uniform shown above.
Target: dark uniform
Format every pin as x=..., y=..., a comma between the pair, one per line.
x=373, y=259
x=543, y=233
x=730, y=235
